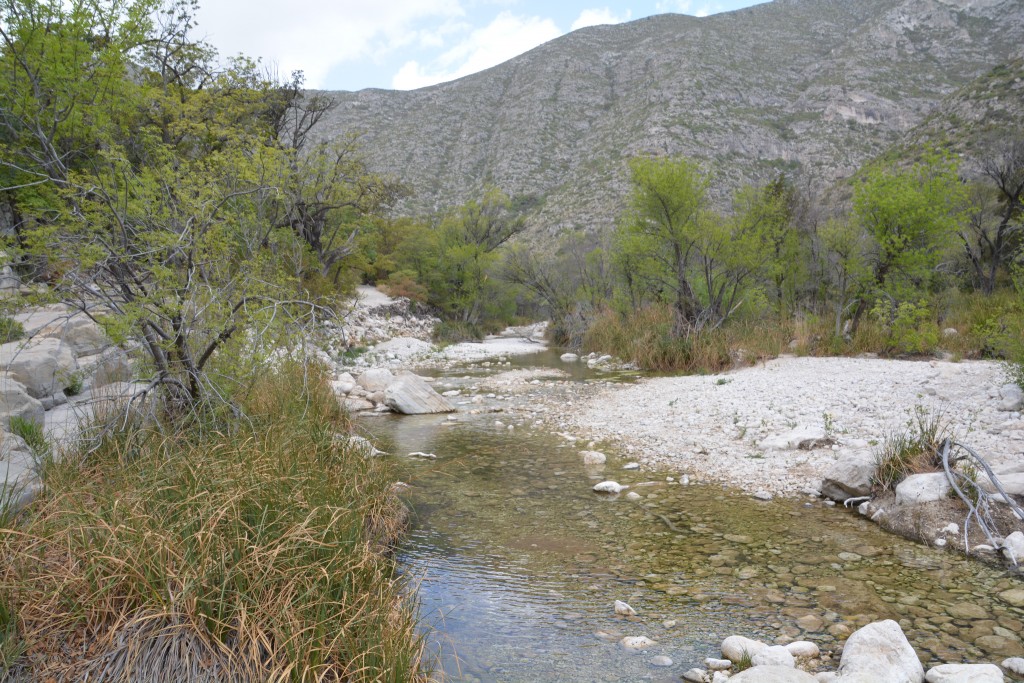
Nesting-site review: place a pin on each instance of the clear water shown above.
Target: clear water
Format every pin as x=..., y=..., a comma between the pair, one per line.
x=519, y=563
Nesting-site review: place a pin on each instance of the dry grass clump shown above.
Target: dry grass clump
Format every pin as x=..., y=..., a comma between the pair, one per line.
x=911, y=450
x=256, y=554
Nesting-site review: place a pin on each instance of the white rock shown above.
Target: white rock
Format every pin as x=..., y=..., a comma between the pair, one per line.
x=637, y=642
x=772, y=674
x=762, y=495
x=776, y=655
x=355, y=405
x=1012, y=398
x=593, y=458
x=714, y=664
x=569, y=357
x=661, y=660
x=719, y=677
x=376, y=379
x=421, y=454
x=695, y=676
x=922, y=488
x=623, y=609
x=880, y=652
x=16, y=402
x=610, y=487
x=951, y=529
x=802, y=438
x=408, y=394
x=964, y=673
x=633, y=495
x=827, y=677
x=849, y=476
x=43, y=366
x=803, y=648
x=1014, y=665
x=1013, y=545
x=631, y=466
x=734, y=648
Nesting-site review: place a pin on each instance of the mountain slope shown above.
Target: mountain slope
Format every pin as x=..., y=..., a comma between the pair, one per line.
x=813, y=87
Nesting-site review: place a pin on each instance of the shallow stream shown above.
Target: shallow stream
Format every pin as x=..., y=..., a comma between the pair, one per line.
x=519, y=563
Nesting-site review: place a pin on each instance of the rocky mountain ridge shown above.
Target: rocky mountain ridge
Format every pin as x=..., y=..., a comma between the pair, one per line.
x=809, y=87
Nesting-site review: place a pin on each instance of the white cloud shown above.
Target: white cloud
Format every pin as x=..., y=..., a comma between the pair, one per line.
x=680, y=6
x=343, y=30
x=504, y=38
x=597, y=17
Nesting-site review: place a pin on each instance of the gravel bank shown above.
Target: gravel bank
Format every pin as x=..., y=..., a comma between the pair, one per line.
x=714, y=427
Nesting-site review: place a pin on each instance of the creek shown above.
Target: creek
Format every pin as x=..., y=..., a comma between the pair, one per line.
x=518, y=562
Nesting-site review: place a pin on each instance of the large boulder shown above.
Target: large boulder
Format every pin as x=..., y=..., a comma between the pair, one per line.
x=736, y=648
x=849, y=476
x=83, y=336
x=44, y=366
x=880, y=652
x=409, y=394
x=109, y=367
x=16, y=402
x=773, y=674
x=377, y=379
x=922, y=488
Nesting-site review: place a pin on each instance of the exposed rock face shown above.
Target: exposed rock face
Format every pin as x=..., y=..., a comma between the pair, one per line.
x=410, y=395
x=880, y=652
x=15, y=401
x=806, y=86
x=376, y=379
x=43, y=366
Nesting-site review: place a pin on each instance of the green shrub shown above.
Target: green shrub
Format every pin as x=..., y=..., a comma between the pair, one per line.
x=32, y=433
x=453, y=332
x=911, y=327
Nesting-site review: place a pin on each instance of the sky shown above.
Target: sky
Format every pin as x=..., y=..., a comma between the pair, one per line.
x=407, y=44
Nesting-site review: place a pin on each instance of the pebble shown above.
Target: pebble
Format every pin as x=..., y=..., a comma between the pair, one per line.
x=661, y=660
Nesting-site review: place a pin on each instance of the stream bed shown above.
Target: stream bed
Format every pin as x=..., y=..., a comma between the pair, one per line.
x=518, y=562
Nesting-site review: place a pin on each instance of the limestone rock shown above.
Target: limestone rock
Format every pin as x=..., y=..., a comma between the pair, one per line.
x=1014, y=665
x=661, y=660
x=922, y=488
x=623, y=609
x=355, y=405
x=776, y=655
x=111, y=366
x=569, y=358
x=801, y=438
x=593, y=458
x=826, y=677
x=1011, y=398
x=1014, y=596
x=1013, y=545
x=714, y=664
x=376, y=379
x=15, y=401
x=410, y=395
x=610, y=487
x=734, y=648
x=964, y=673
x=849, y=477
x=772, y=674
x=83, y=336
x=803, y=648
x=695, y=676
x=880, y=652
x=636, y=642
x=44, y=366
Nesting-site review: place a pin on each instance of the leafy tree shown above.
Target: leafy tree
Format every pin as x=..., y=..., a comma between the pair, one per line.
x=847, y=262
x=912, y=216
x=464, y=282
x=658, y=237
x=144, y=169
